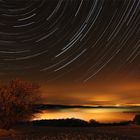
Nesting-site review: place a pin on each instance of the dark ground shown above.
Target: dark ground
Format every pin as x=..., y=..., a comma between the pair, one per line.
x=131, y=132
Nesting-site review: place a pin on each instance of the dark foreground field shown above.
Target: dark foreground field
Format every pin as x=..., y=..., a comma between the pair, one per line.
x=76, y=133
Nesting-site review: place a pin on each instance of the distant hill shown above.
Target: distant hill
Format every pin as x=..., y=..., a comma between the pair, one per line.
x=57, y=106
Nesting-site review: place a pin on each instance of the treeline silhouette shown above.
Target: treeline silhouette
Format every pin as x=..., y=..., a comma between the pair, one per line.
x=72, y=123
x=61, y=122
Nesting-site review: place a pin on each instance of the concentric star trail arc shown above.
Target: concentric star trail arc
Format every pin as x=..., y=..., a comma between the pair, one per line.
x=69, y=38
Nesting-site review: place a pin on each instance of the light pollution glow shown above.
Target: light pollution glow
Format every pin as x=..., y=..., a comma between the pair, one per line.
x=120, y=93
x=101, y=115
x=116, y=92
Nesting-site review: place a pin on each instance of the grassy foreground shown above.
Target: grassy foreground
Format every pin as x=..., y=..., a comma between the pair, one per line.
x=76, y=133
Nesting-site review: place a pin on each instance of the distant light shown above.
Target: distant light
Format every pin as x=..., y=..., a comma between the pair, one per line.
x=117, y=105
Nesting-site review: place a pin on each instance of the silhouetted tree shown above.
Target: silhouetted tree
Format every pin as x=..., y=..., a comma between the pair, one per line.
x=137, y=119
x=16, y=101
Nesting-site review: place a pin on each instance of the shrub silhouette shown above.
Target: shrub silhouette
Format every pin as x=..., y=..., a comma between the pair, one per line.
x=93, y=123
x=16, y=100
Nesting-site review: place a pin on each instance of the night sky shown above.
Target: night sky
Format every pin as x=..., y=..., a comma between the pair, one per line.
x=86, y=51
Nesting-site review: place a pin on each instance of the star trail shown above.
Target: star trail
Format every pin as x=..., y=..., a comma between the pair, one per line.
x=69, y=39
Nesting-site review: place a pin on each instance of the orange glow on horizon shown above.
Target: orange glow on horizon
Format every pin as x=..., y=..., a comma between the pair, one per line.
x=94, y=94
x=101, y=115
